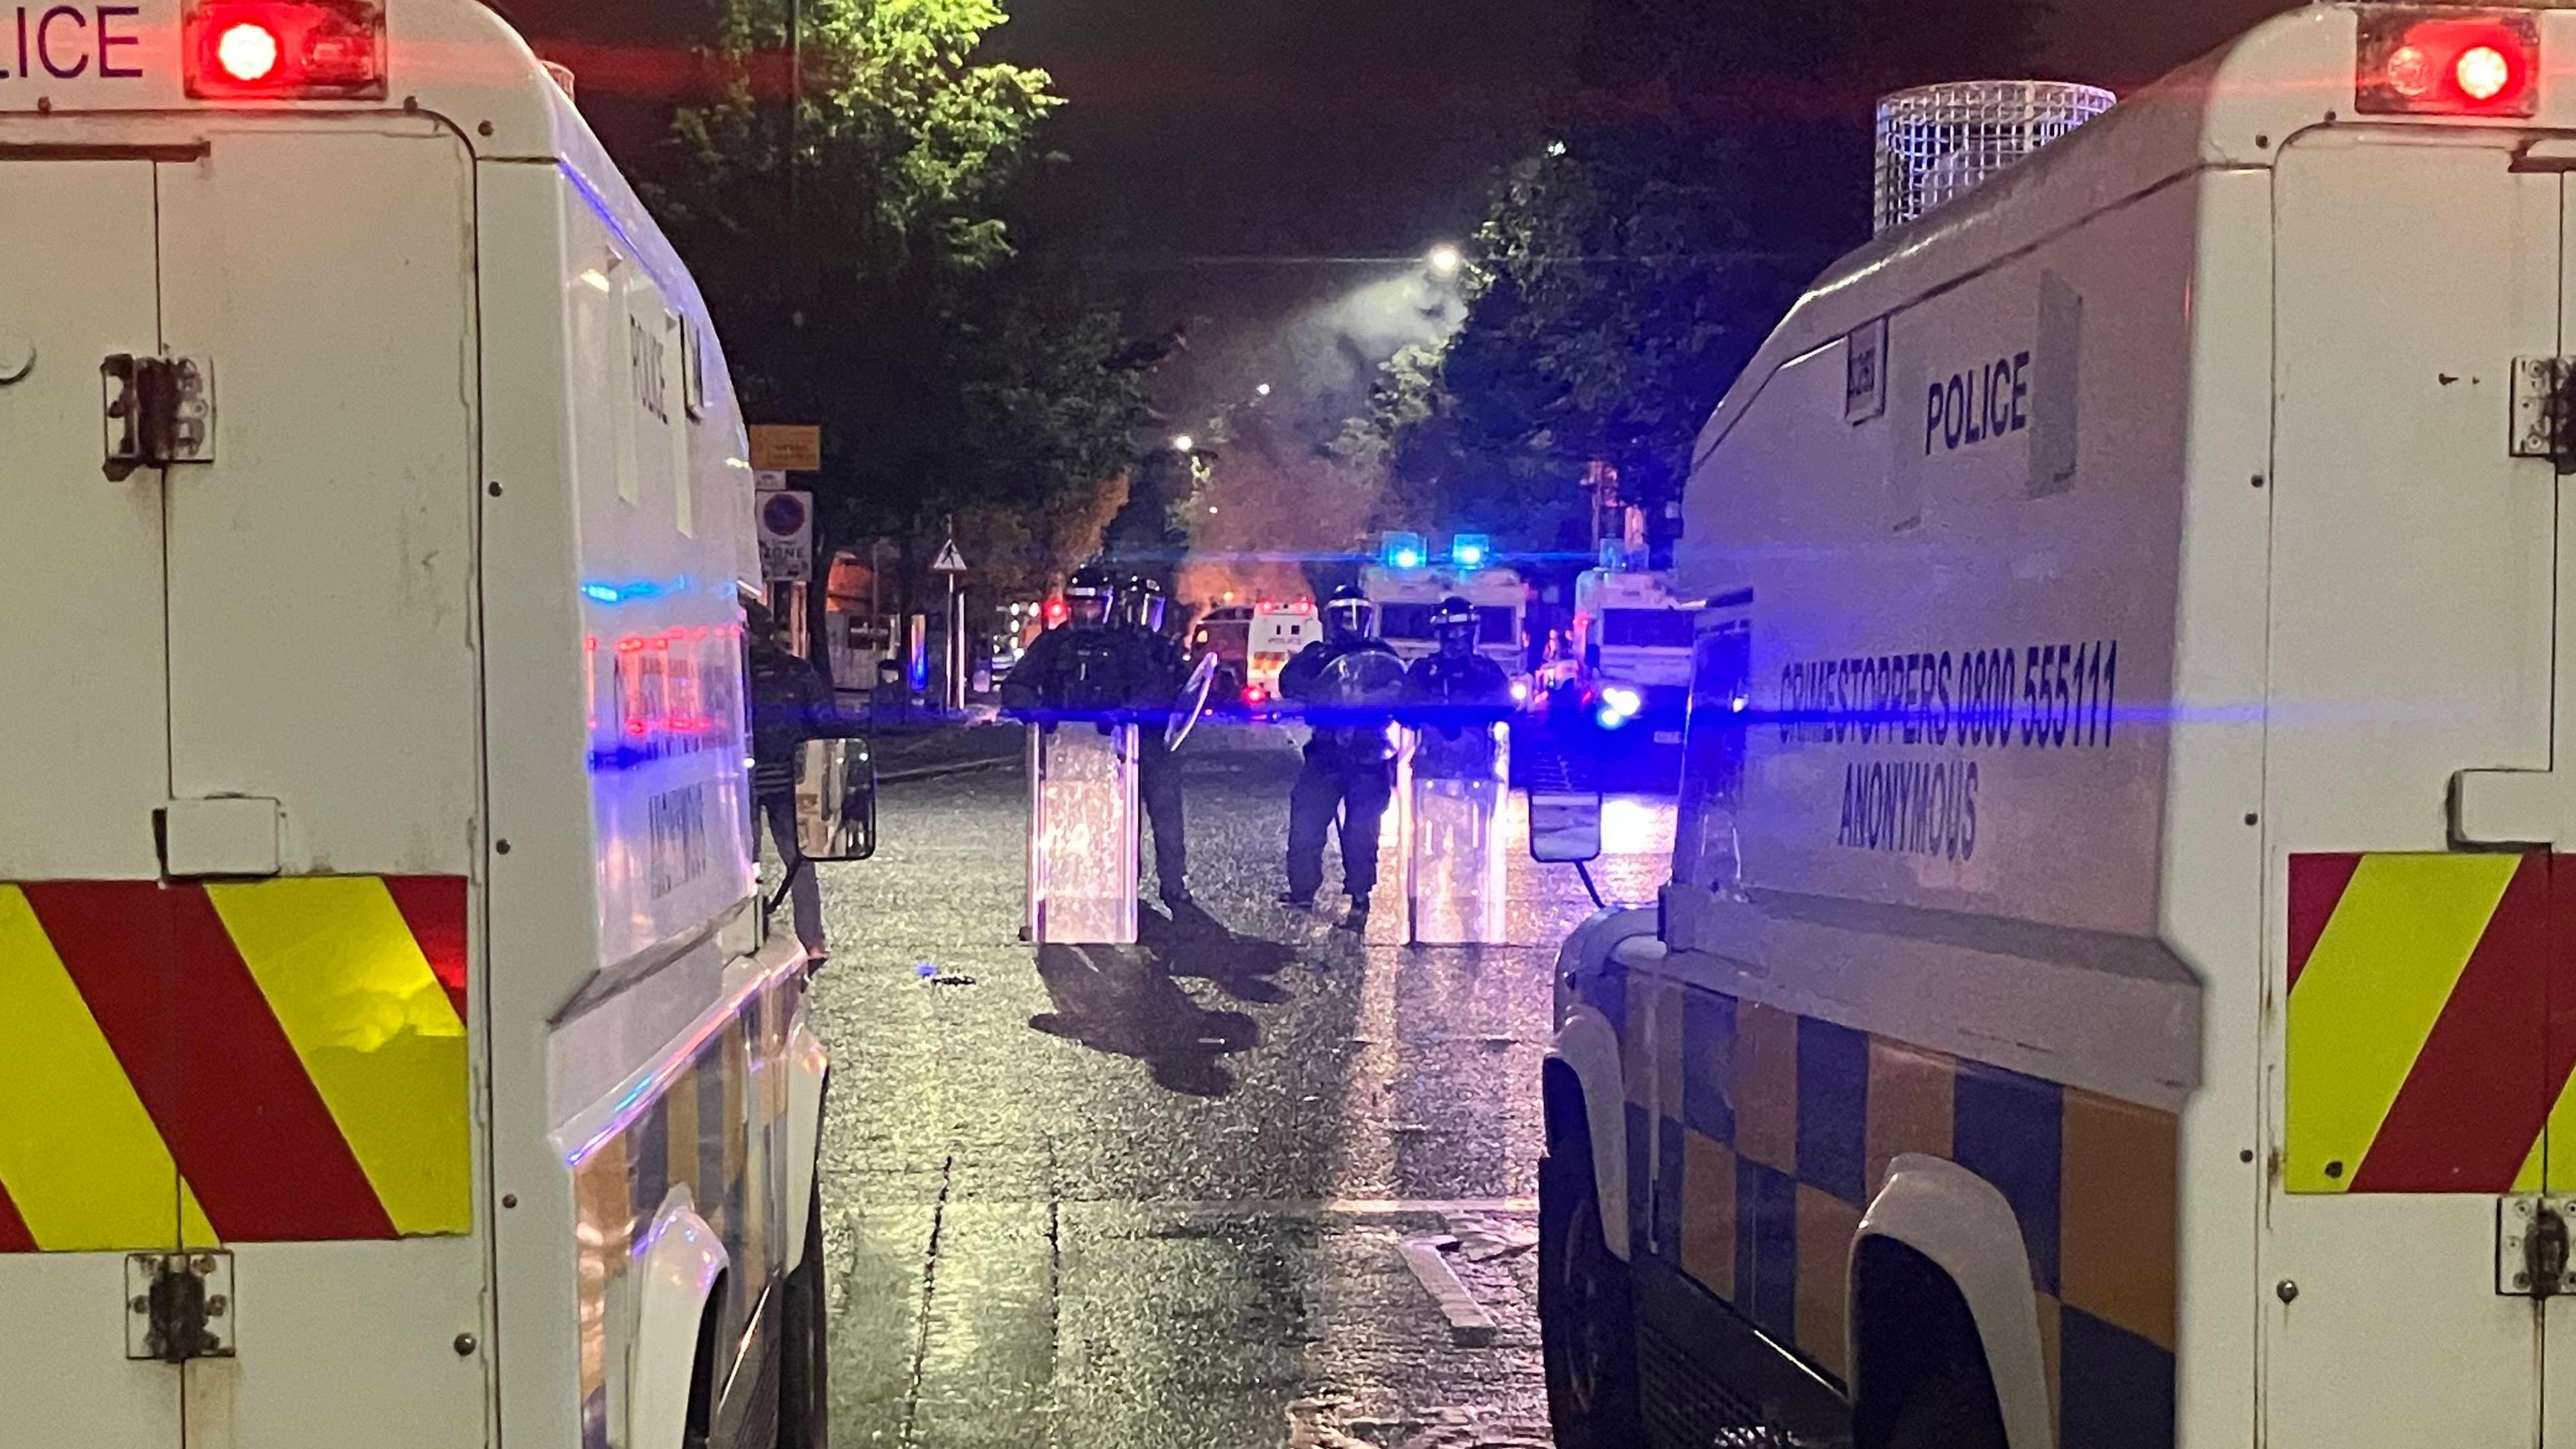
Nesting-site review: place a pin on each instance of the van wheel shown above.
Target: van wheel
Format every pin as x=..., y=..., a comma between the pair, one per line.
x=804, y=1366
x=1952, y=1409
x=1587, y=1317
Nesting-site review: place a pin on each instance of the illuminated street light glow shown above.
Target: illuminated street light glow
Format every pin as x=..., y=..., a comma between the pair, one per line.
x=1446, y=260
x=1184, y=443
x=1262, y=391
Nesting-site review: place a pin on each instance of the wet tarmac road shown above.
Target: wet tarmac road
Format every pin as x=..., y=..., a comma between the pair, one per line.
x=1161, y=1196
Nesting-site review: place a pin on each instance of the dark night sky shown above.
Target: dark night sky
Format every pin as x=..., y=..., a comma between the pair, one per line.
x=1338, y=127
x=1315, y=133
x=1247, y=161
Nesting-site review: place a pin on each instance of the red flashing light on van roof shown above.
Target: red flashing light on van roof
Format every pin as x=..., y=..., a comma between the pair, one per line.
x=246, y=51
x=282, y=50
x=2483, y=73
x=2446, y=63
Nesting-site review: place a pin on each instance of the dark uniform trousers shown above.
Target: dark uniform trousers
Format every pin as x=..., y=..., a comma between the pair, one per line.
x=1158, y=785
x=1360, y=790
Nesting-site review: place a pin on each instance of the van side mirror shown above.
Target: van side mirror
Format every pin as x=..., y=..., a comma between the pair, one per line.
x=1565, y=826
x=836, y=799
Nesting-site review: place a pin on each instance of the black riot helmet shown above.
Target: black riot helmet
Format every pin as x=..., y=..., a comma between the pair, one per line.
x=1091, y=595
x=1350, y=614
x=1144, y=603
x=1454, y=625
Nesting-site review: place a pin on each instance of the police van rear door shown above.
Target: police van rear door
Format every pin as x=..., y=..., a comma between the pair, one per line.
x=323, y=682
x=238, y=782
x=2409, y=1007
x=86, y=1174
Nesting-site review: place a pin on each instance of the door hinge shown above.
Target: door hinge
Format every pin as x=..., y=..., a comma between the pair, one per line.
x=159, y=411
x=178, y=1306
x=2531, y=1247
x=2544, y=410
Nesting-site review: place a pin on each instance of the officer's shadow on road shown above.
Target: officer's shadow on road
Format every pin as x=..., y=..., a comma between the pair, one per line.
x=1120, y=1000
x=1193, y=944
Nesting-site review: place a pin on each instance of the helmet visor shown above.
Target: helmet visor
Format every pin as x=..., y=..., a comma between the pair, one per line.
x=1089, y=606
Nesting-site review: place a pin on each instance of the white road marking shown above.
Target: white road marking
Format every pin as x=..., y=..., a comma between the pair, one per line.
x=1470, y=1326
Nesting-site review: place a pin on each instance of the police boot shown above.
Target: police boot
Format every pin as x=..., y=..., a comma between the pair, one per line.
x=1357, y=920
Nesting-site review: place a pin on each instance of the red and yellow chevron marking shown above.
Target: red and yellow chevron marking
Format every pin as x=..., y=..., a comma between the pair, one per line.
x=2421, y=1054
x=281, y=1061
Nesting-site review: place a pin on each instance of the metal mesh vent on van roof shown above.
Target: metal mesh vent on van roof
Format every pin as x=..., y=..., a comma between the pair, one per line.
x=1937, y=143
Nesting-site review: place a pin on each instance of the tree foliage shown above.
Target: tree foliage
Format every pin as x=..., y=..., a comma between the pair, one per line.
x=1618, y=287
x=1628, y=270
x=872, y=276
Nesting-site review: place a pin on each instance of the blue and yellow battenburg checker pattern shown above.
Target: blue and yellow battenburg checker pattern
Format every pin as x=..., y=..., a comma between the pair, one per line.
x=1756, y=1138
x=710, y=1131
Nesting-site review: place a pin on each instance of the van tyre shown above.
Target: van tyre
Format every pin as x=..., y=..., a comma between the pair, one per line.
x=1586, y=1310
x=804, y=1364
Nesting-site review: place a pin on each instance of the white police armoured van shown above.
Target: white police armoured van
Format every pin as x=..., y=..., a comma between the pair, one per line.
x=2113, y=988
x=390, y=1053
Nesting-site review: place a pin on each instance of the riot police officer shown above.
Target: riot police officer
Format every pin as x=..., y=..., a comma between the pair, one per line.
x=1086, y=667
x=1350, y=762
x=1163, y=671
x=1453, y=698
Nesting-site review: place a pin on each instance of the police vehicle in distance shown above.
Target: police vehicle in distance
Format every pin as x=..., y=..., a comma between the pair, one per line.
x=2108, y=991
x=1630, y=658
x=1408, y=586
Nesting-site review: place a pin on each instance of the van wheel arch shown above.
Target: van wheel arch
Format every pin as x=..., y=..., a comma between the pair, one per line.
x=1917, y=1357
x=1941, y=1283
x=700, y=1422
x=676, y=1362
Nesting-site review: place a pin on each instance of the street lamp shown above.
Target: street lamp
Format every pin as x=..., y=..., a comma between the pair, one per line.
x=1445, y=260
x=1184, y=443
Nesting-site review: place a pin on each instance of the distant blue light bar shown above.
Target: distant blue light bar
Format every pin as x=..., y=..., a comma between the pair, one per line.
x=628, y=593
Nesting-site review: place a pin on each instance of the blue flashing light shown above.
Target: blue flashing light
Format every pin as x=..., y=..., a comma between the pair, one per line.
x=1406, y=558
x=1405, y=551
x=628, y=593
x=1611, y=719
x=1625, y=701
x=1469, y=551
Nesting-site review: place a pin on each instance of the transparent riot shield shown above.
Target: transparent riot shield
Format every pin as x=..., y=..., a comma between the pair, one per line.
x=1365, y=681
x=1191, y=706
x=1082, y=834
x=1452, y=786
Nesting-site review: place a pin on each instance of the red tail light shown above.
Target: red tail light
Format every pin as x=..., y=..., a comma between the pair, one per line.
x=285, y=50
x=2443, y=62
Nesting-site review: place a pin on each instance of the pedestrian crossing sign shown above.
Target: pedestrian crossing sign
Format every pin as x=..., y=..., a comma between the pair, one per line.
x=950, y=561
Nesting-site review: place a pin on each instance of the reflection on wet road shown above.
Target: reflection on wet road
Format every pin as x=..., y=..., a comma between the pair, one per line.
x=1159, y=1195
